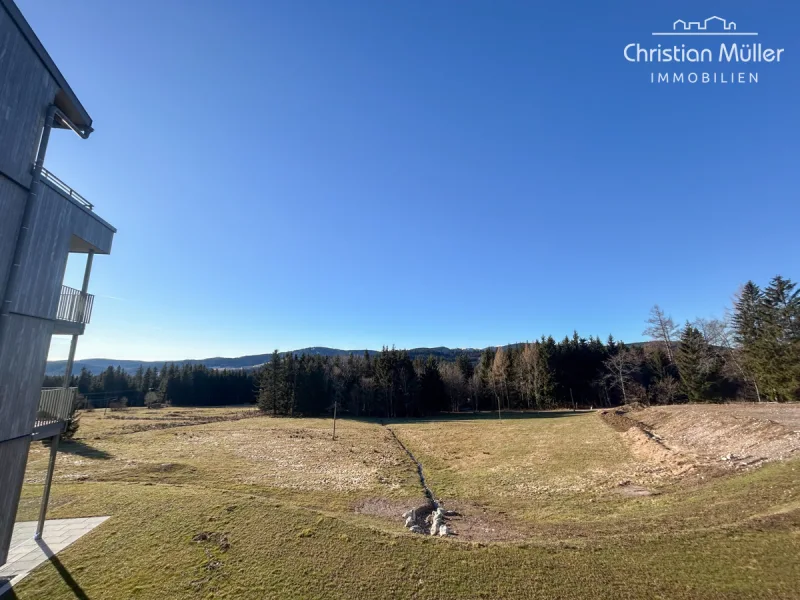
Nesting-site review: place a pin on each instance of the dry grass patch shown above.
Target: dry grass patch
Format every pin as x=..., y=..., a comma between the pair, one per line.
x=294, y=455
x=190, y=542
x=553, y=454
x=574, y=477
x=273, y=508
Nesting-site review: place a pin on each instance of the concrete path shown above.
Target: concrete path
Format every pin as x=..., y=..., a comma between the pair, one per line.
x=26, y=553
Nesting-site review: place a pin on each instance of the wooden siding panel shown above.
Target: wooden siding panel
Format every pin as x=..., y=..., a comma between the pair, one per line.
x=22, y=362
x=12, y=201
x=13, y=457
x=44, y=257
x=26, y=90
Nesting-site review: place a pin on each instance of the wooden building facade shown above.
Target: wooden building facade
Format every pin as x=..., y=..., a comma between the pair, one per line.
x=42, y=220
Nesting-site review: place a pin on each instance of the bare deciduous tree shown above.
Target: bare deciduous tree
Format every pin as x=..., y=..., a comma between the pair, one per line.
x=662, y=328
x=499, y=376
x=621, y=367
x=665, y=391
x=454, y=381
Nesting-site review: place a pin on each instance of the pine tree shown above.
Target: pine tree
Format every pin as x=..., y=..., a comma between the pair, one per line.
x=271, y=386
x=138, y=378
x=611, y=345
x=432, y=393
x=465, y=366
x=544, y=377
x=697, y=364
x=84, y=381
x=778, y=346
x=525, y=375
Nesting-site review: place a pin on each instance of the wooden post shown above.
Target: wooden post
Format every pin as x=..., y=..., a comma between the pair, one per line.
x=334, y=420
x=47, y=483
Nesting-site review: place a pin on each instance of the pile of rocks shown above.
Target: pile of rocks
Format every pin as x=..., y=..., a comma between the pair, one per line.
x=438, y=525
x=427, y=519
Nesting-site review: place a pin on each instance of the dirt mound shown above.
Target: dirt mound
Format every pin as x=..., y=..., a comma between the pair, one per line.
x=728, y=436
x=618, y=419
x=645, y=444
x=647, y=447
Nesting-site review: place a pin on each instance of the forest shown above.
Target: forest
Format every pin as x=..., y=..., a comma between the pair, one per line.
x=752, y=354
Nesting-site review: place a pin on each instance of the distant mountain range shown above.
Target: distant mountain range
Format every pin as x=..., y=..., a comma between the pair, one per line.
x=98, y=365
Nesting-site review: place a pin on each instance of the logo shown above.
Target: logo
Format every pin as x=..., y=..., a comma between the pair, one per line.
x=711, y=26
x=725, y=58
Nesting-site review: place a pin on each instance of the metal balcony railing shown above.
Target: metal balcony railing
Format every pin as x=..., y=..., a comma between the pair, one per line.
x=74, y=306
x=55, y=405
x=64, y=189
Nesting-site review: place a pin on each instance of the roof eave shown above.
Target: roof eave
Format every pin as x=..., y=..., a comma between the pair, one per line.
x=65, y=100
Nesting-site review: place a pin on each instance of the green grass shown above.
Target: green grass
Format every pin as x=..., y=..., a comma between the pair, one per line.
x=287, y=509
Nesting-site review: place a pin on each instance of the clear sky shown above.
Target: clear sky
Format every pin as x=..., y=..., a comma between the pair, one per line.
x=420, y=172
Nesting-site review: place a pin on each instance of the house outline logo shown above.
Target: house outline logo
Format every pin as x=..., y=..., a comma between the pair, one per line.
x=705, y=27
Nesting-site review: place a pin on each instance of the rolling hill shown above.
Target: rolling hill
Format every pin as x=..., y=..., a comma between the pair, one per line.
x=98, y=365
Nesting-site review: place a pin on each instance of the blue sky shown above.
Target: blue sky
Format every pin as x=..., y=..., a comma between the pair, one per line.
x=464, y=173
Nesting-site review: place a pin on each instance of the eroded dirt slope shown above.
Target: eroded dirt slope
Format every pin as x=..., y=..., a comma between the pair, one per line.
x=728, y=435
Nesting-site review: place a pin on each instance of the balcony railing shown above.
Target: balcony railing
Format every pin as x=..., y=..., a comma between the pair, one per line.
x=55, y=405
x=64, y=189
x=74, y=306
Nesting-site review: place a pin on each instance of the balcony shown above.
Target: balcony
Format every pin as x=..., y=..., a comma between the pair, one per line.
x=89, y=232
x=74, y=311
x=63, y=189
x=55, y=409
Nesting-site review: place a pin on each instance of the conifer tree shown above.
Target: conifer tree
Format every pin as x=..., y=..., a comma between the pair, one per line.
x=697, y=365
x=778, y=346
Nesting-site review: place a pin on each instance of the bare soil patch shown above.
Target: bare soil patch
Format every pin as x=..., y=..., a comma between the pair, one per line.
x=382, y=507
x=627, y=488
x=473, y=523
x=465, y=522
x=708, y=440
x=646, y=445
x=730, y=435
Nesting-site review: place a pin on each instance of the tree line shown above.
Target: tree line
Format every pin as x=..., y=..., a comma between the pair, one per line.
x=187, y=385
x=751, y=354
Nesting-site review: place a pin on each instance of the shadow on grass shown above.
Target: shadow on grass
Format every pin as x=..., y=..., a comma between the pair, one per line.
x=62, y=571
x=75, y=588
x=68, y=579
x=84, y=450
